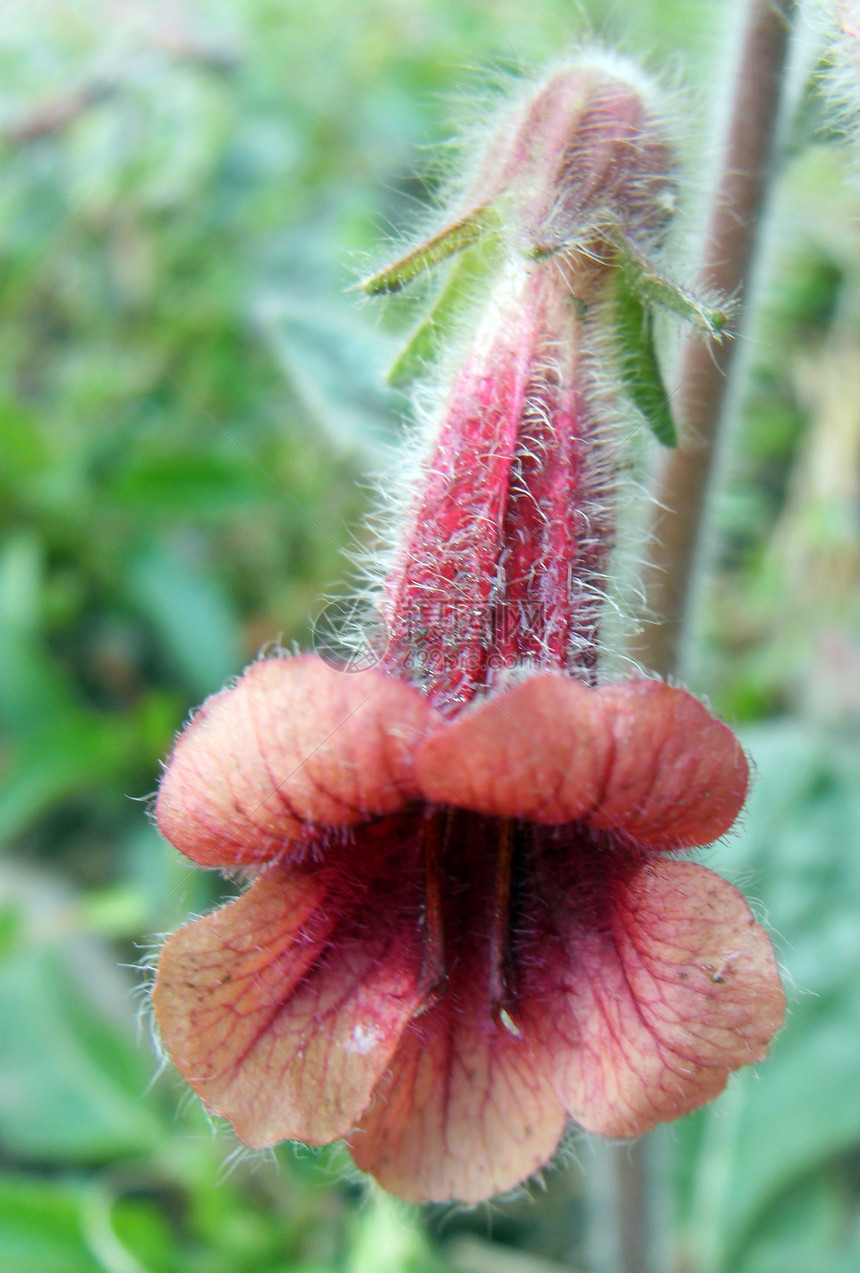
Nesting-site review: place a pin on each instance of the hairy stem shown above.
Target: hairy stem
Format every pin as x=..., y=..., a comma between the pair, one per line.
x=681, y=489
x=683, y=481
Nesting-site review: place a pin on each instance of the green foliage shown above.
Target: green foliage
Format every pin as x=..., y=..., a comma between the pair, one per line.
x=762, y=1175
x=643, y=380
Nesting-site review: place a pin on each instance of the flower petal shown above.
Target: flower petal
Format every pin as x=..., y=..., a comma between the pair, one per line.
x=463, y=1113
x=281, y=1021
x=537, y=752
x=652, y=1015
x=294, y=744
x=678, y=777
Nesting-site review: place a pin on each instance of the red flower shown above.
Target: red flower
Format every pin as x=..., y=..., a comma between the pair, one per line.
x=460, y=931
x=468, y=920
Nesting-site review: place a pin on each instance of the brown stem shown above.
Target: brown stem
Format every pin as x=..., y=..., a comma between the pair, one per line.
x=54, y=115
x=682, y=484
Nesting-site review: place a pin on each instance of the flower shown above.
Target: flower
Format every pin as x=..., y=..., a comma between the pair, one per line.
x=460, y=931
x=467, y=918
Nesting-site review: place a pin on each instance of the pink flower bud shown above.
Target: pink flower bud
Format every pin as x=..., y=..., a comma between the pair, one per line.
x=583, y=150
x=507, y=550
x=503, y=555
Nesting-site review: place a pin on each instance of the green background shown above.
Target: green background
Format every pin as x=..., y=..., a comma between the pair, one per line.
x=190, y=403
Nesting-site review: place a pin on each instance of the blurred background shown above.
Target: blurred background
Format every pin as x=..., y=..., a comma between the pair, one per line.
x=190, y=403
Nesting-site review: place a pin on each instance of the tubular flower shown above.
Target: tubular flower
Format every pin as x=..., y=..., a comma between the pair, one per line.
x=462, y=930
x=467, y=919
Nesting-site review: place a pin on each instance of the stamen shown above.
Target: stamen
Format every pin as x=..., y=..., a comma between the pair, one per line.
x=500, y=933
x=434, y=975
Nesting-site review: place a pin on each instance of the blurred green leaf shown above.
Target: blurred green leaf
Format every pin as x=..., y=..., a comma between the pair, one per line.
x=386, y=1242
x=805, y=1229
x=335, y=365
x=186, y=486
x=191, y=612
x=75, y=752
x=40, y=1229
x=73, y=1079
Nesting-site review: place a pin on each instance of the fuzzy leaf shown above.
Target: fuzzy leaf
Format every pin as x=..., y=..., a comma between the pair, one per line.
x=431, y=334
x=640, y=369
x=711, y=314
x=454, y=237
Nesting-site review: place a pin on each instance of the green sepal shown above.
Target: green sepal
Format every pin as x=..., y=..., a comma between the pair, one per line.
x=432, y=333
x=709, y=314
x=640, y=370
x=453, y=238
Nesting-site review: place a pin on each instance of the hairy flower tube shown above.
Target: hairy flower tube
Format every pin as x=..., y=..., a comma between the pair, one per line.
x=468, y=921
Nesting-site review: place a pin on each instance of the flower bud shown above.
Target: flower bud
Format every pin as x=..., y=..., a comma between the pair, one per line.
x=503, y=554
x=504, y=558
x=581, y=152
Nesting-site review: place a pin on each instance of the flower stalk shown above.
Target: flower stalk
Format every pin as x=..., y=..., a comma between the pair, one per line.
x=684, y=476
x=704, y=375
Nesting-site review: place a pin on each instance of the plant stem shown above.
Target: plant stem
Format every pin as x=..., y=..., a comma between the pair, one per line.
x=682, y=484
x=683, y=481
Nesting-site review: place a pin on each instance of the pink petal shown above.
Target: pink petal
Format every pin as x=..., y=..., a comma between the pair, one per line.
x=651, y=1017
x=294, y=743
x=463, y=1113
x=537, y=752
x=276, y=1028
x=678, y=777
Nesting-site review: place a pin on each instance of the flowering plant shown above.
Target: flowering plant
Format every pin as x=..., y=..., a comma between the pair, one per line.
x=467, y=917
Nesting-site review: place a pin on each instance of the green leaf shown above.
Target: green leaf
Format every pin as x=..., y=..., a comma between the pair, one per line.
x=428, y=339
x=191, y=612
x=179, y=485
x=385, y=1241
x=74, y=752
x=40, y=1230
x=335, y=366
x=640, y=370
x=807, y=1228
x=73, y=1077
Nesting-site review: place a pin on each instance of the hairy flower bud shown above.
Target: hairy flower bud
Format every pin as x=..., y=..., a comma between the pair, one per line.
x=504, y=559
x=503, y=555
x=584, y=151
